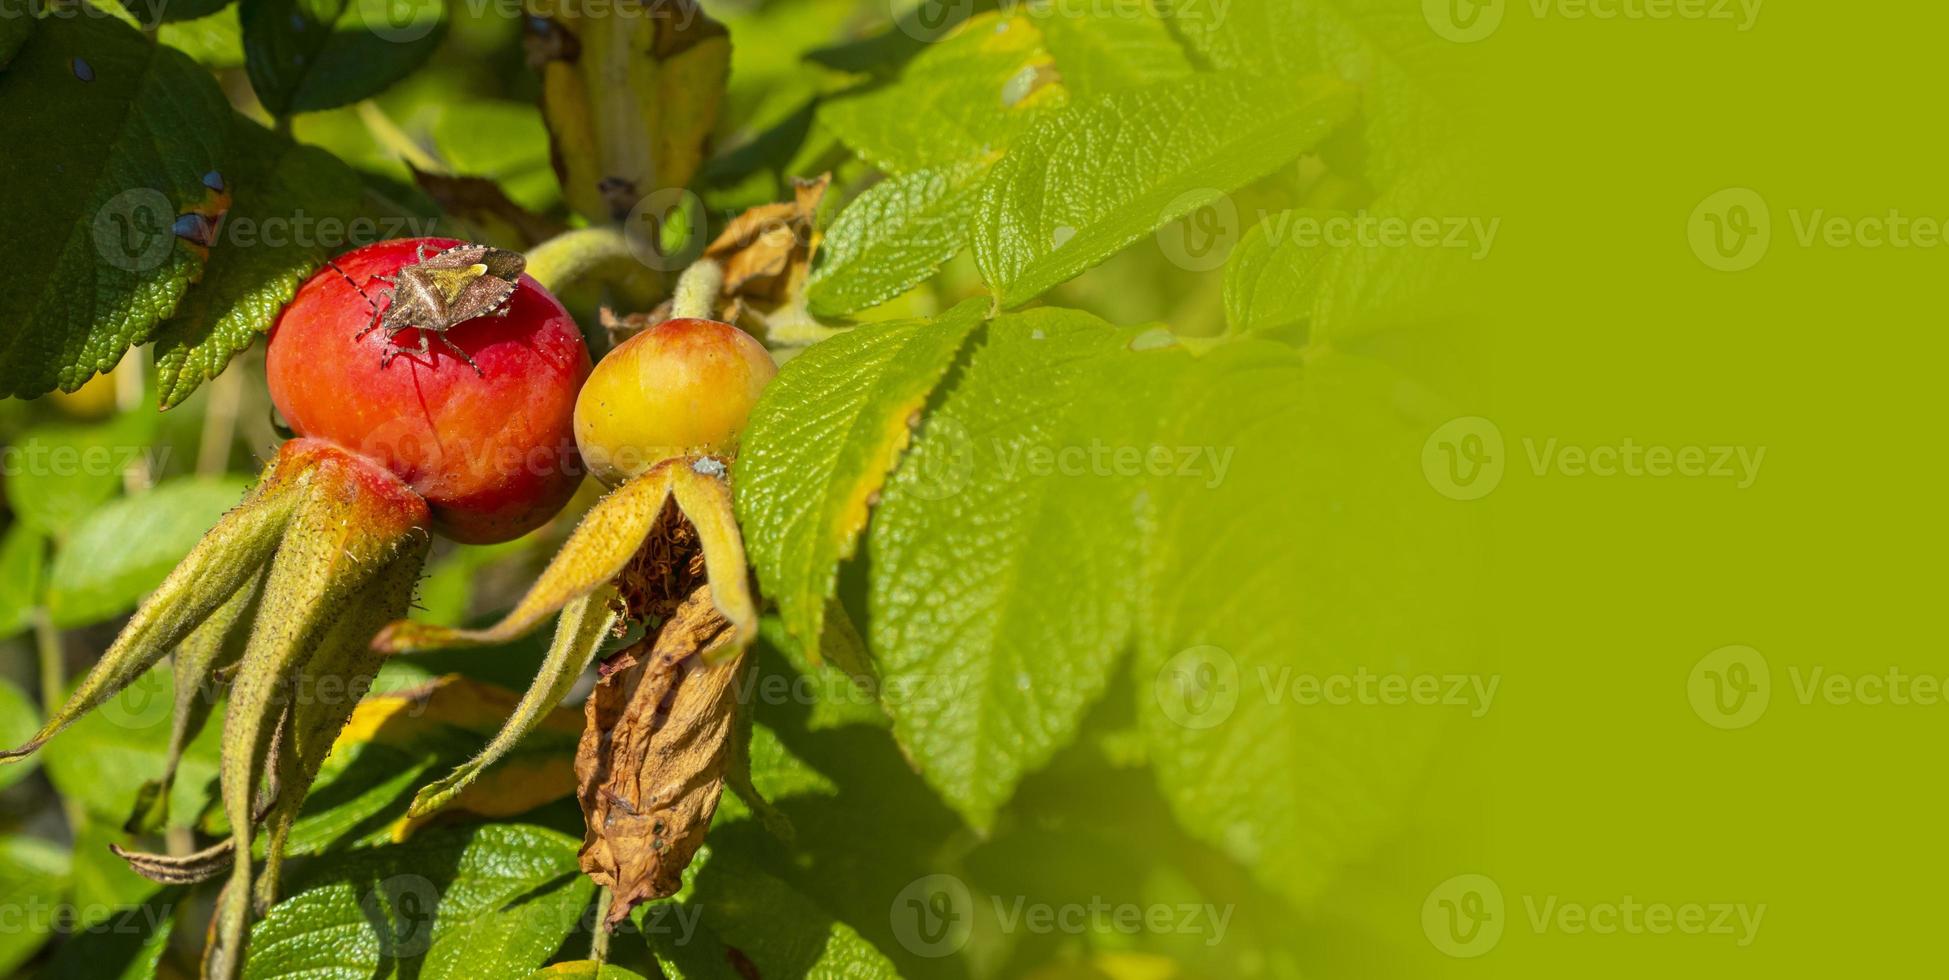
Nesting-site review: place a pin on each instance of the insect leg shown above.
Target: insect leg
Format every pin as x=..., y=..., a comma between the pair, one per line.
x=463, y=355
x=373, y=324
x=393, y=348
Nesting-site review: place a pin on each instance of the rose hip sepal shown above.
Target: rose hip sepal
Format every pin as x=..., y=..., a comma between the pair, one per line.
x=321, y=553
x=664, y=550
x=489, y=445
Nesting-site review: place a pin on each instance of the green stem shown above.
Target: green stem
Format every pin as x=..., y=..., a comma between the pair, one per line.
x=219, y=424
x=387, y=134
x=599, y=946
x=47, y=643
x=697, y=291
x=572, y=256
x=54, y=682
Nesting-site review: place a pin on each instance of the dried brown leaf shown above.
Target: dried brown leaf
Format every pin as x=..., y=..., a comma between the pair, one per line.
x=651, y=764
x=767, y=251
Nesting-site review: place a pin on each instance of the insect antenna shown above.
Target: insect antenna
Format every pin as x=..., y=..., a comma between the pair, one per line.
x=370, y=324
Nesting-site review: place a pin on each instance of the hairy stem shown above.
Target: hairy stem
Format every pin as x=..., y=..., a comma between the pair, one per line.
x=599, y=254
x=697, y=290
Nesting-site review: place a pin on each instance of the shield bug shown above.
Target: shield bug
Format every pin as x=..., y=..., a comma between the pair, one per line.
x=441, y=291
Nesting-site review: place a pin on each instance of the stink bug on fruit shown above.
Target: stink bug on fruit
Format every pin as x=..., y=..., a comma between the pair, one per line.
x=441, y=291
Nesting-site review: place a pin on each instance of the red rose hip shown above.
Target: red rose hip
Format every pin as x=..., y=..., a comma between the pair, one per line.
x=489, y=445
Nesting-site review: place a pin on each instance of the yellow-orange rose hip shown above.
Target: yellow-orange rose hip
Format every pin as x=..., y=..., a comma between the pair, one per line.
x=681, y=387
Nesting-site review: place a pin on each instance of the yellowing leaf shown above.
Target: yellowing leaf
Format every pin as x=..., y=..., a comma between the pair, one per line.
x=630, y=100
x=962, y=101
x=820, y=444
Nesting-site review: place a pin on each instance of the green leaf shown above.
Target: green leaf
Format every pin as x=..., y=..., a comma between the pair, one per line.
x=961, y=101
x=126, y=131
x=768, y=923
x=60, y=473
x=1001, y=593
x=892, y=238
x=505, y=141
x=128, y=945
x=493, y=900
x=1111, y=48
x=1321, y=553
x=14, y=32
x=448, y=587
x=819, y=446
x=19, y=720
x=1087, y=182
x=23, y=553
x=292, y=208
x=1415, y=278
x=1274, y=277
x=102, y=882
x=34, y=879
x=306, y=55
x=170, y=11
x=584, y=626
x=120, y=552
x=105, y=757
x=843, y=691
x=401, y=737
x=1412, y=86
x=215, y=40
